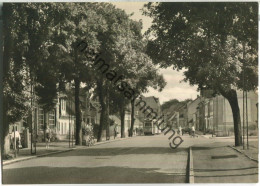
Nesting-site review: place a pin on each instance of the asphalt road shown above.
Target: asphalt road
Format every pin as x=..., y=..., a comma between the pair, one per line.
x=142, y=159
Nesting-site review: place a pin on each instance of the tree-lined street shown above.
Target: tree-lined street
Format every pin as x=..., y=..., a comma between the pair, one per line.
x=83, y=81
x=142, y=159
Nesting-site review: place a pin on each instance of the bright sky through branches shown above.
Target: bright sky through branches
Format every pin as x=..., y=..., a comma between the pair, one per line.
x=174, y=89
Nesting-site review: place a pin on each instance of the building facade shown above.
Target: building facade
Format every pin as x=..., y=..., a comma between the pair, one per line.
x=215, y=114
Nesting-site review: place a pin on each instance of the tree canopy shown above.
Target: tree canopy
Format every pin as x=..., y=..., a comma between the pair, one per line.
x=41, y=53
x=215, y=42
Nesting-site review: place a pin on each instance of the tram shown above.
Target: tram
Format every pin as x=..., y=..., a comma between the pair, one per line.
x=150, y=127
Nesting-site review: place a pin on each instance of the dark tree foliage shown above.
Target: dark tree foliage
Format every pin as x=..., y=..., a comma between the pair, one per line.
x=214, y=42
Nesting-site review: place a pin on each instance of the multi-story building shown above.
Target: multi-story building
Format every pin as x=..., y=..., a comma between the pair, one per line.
x=151, y=102
x=177, y=115
x=215, y=114
x=192, y=108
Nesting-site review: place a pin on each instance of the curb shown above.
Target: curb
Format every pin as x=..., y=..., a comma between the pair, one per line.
x=243, y=153
x=60, y=151
x=104, y=142
x=108, y=141
x=191, y=172
x=36, y=156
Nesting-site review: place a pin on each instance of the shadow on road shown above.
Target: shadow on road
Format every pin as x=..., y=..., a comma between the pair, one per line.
x=121, y=151
x=107, y=174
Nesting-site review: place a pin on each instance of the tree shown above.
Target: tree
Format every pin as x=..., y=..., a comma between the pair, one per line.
x=23, y=51
x=77, y=22
x=202, y=38
x=147, y=75
x=46, y=36
x=118, y=44
x=169, y=103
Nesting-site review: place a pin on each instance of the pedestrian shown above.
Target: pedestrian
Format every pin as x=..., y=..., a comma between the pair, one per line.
x=48, y=137
x=115, y=132
x=193, y=131
x=15, y=139
x=180, y=130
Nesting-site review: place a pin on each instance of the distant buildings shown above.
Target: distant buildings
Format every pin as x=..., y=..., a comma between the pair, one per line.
x=61, y=118
x=141, y=114
x=177, y=115
x=192, y=108
x=212, y=114
x=218, y=116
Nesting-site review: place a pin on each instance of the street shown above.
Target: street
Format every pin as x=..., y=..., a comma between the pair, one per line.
x=144, y=159
x=102, y=76
x=141, y=159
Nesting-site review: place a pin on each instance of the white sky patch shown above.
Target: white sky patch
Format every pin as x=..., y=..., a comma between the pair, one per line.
x=174, y=89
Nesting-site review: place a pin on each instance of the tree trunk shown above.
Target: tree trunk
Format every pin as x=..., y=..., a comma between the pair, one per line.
x=5, y=137
x=122, y=118
x=7, y=53
x=107, y=118
x=132, y=117
x=231, y=96
x=44, y=124
x=78, y=113
x=103, y=109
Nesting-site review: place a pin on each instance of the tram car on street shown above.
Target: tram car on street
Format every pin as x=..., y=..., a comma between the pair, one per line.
x=150, y=127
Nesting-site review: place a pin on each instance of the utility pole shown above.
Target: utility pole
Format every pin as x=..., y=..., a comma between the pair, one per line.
x=243, y=69
x=73, y=129
x=15, y=150
x=243, y=114
x=33, y=132
x=247, y=123
x=1, y=76
x=108, y=121
x=69, y=120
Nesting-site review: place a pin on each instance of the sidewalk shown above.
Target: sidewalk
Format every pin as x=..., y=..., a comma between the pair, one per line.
x=25, y=154
x=252, y=152
x=209, y=136
x=218, y=163
x=54, y=147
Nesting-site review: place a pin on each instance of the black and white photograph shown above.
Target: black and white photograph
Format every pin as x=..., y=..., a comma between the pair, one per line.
x=129, y=92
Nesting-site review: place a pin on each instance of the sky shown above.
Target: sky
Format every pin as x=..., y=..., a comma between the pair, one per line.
x=174, y=88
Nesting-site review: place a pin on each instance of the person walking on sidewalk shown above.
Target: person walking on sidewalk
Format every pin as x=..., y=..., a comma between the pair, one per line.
x=180, y=131
x=15, y=140
x=48, y=137
x=193, y=131
x=115, y=132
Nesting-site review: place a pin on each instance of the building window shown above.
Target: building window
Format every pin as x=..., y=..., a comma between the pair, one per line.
x=52, y=119
x=41, y=119
x=61, y=128
x=58, y=126
x=64, y=105
x=64, y=128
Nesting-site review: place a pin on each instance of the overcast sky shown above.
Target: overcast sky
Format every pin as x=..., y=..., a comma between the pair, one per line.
x=174, y=88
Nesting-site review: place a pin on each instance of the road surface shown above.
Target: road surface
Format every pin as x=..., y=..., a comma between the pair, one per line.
x=142, y=159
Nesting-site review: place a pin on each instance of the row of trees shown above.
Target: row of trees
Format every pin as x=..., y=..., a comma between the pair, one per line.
x=40, y=51
x=216, y=43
